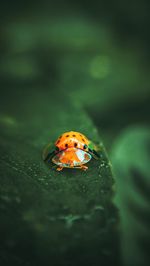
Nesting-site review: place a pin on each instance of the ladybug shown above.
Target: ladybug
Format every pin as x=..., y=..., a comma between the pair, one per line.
x=72, y=150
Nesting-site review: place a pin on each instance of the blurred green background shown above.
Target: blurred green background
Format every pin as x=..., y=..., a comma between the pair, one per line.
x=62, y=56
x=96, y=54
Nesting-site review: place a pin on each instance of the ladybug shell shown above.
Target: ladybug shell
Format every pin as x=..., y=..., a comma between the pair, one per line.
x=72, y=139
x=72, y=150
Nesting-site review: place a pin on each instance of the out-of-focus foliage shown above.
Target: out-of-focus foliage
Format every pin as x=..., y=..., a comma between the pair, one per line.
x=131, y=163
x=96, y=53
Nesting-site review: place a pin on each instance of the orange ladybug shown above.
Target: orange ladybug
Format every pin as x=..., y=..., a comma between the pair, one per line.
x=72, y=150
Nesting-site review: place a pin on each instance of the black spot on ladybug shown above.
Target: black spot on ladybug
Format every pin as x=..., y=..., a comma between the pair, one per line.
x=73, y=135
x=66, y=145
x=67, y=136
x=75, y=144
x=85, y=146
x=58, y=141
x=83, y=140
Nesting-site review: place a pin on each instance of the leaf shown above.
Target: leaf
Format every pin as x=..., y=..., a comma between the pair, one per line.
x=131, y=156
x=66, y=217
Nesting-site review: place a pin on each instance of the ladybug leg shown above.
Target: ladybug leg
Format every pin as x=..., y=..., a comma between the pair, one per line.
x=83, y=167
x=95, y=152
x=59, y=168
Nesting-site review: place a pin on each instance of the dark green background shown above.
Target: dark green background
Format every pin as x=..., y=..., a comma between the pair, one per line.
x=71, y=65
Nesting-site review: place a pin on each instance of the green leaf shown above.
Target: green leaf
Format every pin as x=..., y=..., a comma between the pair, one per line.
x=131, y=157
x=66, y=217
